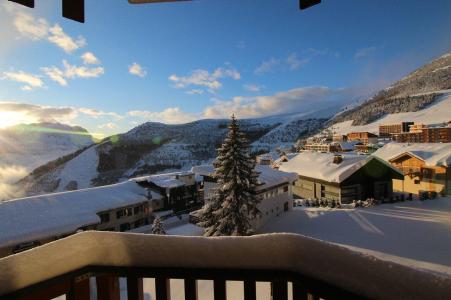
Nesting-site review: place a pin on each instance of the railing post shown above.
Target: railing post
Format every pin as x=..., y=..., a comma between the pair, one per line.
x=79, y=289
x=107, y=287
x=190, y=289
x=135, y=288
x=249, y=290
x=279, y=290
x=162, y=288
x=219, y=289
x=301, y=293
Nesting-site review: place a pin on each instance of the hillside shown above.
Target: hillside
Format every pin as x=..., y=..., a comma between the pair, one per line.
x=25, y=147
x=156, y=147
x=414, y=92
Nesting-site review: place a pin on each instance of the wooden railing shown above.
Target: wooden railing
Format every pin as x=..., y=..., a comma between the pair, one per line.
x=315, y=269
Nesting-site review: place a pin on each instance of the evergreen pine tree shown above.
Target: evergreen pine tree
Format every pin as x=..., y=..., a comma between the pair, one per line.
x=234, y=204
x=158, y=226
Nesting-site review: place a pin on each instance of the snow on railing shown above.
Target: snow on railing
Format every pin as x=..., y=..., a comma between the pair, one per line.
x=314, y=267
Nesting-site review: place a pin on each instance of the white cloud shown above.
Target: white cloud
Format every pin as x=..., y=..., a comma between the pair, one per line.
x=90, y=59
x=253, y=87
x=31, y=81
x=40, y=113
x=195, y=92
x=71, y=72
x=171, y=115
x=58, y=37
x=30, y=27
x=294, y=62
x=39, y=29
x=204, y=78
x=364, y=52
x=109, y=125
x=267, y=66
x=9, y=175
x=55, y=74
x=137, y=69
x=305, y=99
x=95, y=113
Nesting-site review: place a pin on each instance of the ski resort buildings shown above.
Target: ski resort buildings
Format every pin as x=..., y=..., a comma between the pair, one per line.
x=178, y=191
x=275, y=190
x=426, y=168
x=341, y=178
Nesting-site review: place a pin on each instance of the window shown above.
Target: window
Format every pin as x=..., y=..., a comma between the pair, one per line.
x=428, y=173
x=120, y=213
x=125, y=212
x=285, y=189
x=104, y=218
x=125, y=227
x=138, y=209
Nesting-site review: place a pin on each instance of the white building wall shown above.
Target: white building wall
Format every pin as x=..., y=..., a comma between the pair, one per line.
x=272, y=204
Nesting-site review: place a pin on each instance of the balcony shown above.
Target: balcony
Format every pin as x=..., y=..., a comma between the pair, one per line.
x=315, y=269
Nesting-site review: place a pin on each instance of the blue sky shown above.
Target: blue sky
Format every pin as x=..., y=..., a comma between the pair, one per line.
x=206, y=59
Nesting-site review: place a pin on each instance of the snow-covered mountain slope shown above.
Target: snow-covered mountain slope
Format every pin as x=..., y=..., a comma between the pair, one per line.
x=439, y=112
x=155, y=147
x=25, y=147
x=32, y=145
x=410, y=94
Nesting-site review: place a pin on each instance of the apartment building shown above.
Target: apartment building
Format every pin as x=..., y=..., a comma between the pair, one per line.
x=322, y=147
x=420, y=133
x=341, y=178
x=33, y=221
x=386, y=130
x=364, y=137
x=274, y=189
x=177, y=191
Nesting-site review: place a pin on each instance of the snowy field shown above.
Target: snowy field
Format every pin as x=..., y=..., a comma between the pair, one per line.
x=417, y=234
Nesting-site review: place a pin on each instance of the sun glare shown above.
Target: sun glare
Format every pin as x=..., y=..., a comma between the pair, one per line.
x=10, y=118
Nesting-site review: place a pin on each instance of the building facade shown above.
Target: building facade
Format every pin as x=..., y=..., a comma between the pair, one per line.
x=274, y=190
x=420, y=133
x=386, y=130
x=341, y=178
x=364, y=137
x=419, y=176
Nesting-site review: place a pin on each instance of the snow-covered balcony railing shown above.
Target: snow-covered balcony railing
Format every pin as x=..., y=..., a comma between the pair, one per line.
x=315, y=269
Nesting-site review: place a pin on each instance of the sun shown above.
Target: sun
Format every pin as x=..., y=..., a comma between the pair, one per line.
x=11, y=118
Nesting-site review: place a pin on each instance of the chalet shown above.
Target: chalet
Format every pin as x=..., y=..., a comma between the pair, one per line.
x=426, y=167
x=177, y=191
x=32, y=221
x=275, y=190
x=342, y=178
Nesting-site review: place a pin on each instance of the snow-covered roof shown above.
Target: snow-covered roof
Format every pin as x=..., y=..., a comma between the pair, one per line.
x=37, y=217
x=347, y=145
x=321, y=166
x=433, y=154
x=272, y=156
x=168, y=180
x=267, y=176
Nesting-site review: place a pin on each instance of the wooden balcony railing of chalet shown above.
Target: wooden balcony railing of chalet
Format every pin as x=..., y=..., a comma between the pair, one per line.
x=316, y=269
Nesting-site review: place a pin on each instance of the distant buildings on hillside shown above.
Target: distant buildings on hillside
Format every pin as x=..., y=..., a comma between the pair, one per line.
x=408, y=132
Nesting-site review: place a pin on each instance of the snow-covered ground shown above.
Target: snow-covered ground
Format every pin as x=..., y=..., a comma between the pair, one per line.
x=436, y=113
x=417, y=234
